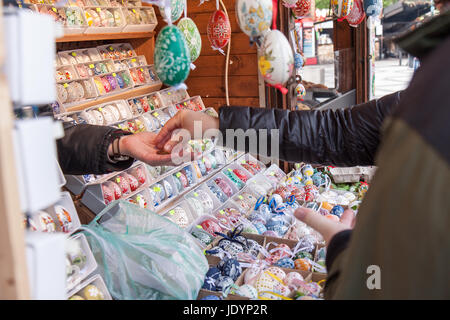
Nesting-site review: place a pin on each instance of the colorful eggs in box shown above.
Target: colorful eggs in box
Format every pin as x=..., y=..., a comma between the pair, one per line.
x=357, y=14
x=285, y=263
x=248, y=291
x=254, y=17
x=192, y=35
x=276, y=59
x=308, y=170
x=219, y=29
x=64, y=218
x=301, y=8
x=172, y=58
x=108, y=194
x=224, y=283
x=132, y=181
x=211, y=227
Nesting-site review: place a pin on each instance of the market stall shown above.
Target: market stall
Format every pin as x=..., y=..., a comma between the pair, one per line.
x=226, y=219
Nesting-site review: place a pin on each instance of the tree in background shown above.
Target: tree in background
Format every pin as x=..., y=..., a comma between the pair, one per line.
x=325, y=4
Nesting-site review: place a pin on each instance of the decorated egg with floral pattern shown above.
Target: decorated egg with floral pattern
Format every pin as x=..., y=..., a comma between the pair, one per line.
x=254, y=16
x=193, y=39
x=302, y=8
x=172, y=56
x=176, y=7
x=276, y=59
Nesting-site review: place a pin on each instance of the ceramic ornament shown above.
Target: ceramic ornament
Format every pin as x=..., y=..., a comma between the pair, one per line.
x=342, y=8
x=219, y=30
x=276, y=60
x=172, y=56
x=254, y=17
x=301, y=8
x=357, y=14
x=193, y=39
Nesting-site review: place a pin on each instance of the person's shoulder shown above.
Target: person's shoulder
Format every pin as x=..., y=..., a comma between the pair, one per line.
x=425, y=104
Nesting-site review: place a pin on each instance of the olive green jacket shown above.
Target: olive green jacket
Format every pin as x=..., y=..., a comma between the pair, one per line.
x=400, y=246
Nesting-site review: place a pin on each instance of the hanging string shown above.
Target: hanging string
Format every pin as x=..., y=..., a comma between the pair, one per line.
x=217, y=5
x=227, y=62
x=185, y=8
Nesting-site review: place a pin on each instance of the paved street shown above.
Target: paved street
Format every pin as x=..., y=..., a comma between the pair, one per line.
x=389, y=75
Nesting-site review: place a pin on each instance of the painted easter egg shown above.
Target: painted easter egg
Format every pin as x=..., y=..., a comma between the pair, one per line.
x=192, y=35
x=341, y=8
x=302, y=8
x=357, y=14
x=219, y=29
x=276, y=59
x=177, y=9
x=179, y=216
x=254, y=17
x=172, y=57
x=248, y=291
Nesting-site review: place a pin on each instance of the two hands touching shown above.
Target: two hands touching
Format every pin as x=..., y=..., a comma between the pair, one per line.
x=156, y=149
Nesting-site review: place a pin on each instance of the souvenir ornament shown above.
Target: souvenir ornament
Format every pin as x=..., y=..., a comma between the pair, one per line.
x=300, y=91
x=276, y=60
x=357, y=14
x=301, y=8
x=108, y=194
x=172, y=57
x=64, y=218
x=342, y=8
x=192, y=35
x=254, y=17
x=302, y=264
x=219, y=30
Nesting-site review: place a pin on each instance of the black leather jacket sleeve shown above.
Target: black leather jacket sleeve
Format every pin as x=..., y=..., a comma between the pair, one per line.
x=83, y=150
x=343, y=137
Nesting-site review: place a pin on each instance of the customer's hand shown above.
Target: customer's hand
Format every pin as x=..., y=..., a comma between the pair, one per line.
x=326, y=227
x=188, y=120
x=141, y=146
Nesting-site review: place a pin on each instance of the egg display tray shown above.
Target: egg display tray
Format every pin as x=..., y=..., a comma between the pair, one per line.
x=99, y=29
x=90, y=266
x=145, y=27
x=68, y=29
x=170, y=96
x=72, y=57
x=184, y=104
x=96, y=280
x=114, y=47
x=350, y=174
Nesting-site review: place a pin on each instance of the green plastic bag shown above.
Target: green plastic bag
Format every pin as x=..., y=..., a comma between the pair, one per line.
x=143, y=256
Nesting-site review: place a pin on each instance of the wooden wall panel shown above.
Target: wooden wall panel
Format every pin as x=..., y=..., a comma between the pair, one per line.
x=208, y=79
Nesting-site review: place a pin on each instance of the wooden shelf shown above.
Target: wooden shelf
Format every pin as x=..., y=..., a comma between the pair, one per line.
x=119, y=96
x=105, y=36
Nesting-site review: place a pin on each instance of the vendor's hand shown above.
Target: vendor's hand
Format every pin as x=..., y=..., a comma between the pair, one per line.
x=141, y=146
x=183, y=119
x=326, y=227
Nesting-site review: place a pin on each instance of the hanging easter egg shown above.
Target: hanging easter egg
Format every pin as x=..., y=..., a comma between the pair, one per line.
x=300, y=91
x=341, y=8
x=254, y=17
x=177, y=9
x=289, y=3
x=357, y=14
x=172, y=57
x=301, y=8
x=219, y=30
x=276, y=59
x=192, y=35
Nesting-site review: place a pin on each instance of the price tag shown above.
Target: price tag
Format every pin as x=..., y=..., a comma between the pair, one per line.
x=134, y=11
x=185, y=104
x=272, y=173
x=178, y=174
x=118, y=179
x=196, y=194
x=156, y=114
x=114, y=75
x=199, y=226
x=157, y=189
x=230, y=170
x=65, y=85
x=74, y=54
x=133, y=60
x=138, y=198
x=142, y=70
x=100, y=109
x=91, y=66
x=240, y=197
x=172, y=212
x=222, y=212
x=54, y=9
x=203, y=160
x=98, y=10
x=168, y=93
